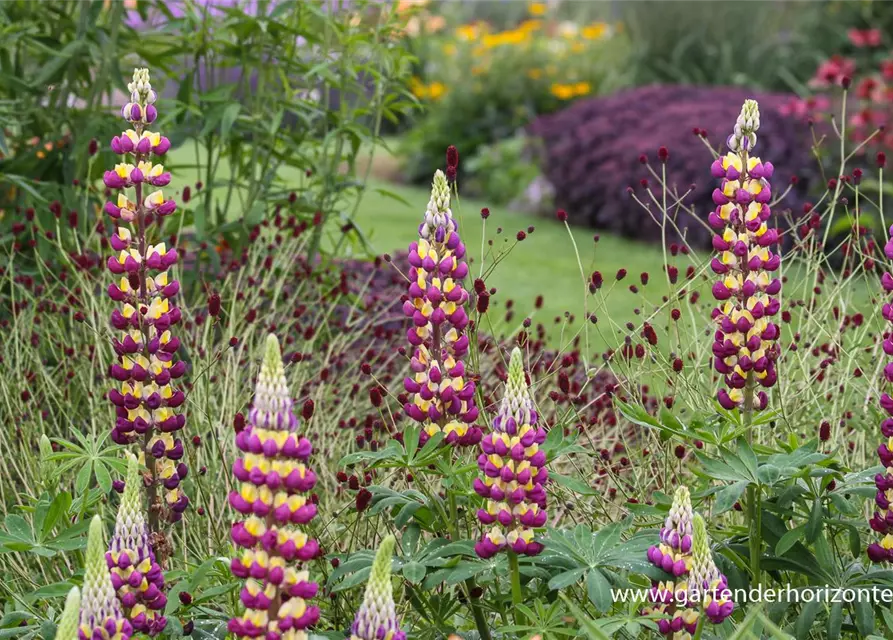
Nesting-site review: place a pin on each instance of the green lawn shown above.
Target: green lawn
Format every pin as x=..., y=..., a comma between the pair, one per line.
x=543, y=264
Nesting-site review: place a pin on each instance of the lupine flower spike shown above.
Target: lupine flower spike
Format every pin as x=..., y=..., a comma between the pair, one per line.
x=882, y=520
x=67, y=629
x=442, y=396
x=377, y=616
x=514, y=469
x=744, y=346
x=136, y=575
x=273, y=497
x=710, y=587
x=673, y=555
x=101, y=617
x=146, y=402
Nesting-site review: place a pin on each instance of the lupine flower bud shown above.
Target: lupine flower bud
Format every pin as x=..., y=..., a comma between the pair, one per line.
x=442, y=398
x=707, y=585
x=744, y=347
x=101, y=617
x=377, y=616
x=273, y=496
x=882, y=520
x=514, y=470
x=136, y=576
x=146, y=402
x=67, y=629
x=673, y=555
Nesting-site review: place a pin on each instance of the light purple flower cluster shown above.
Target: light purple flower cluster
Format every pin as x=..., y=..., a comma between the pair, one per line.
x=442, y=396
x=882, y=520
x=273, y=496
x=146, y=402
x=514, y=469
x=744, y=347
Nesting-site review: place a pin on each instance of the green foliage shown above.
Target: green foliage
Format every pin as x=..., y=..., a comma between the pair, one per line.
x=502, y=171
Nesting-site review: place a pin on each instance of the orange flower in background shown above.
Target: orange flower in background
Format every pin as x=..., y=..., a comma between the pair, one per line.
x=537, y=8
x=562, y=91
x=436, y=90
x=594, y=31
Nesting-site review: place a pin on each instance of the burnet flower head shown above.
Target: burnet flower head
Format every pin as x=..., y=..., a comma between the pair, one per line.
x=136, y=575
x=514, y=471
x=274, y=497
x=744, y=347
x=146, y=400
x=377, y=617
x=673, y=554
x=442, y=395
x=882, y=520
x=101, y=617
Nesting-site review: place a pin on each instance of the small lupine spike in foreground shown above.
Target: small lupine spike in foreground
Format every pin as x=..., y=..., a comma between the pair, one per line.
x=673, y=555
x=101, y=617
x=441, y=395
x=882, y=520
x=136, y=575
x=273, y=495
x=514, y=472
x=744, y=347
x=67, y=628
x=710, y=587
x=146, y=402
x=377, y=616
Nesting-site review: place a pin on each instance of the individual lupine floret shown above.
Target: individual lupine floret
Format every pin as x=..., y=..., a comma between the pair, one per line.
x=136, y=575
x=273, y=495
x=101, y=617
x=67, y=629
x=882, y=520
x=146, y=402
x=707, y=585
x=514, y=469
x=377, y=617
x=673, y=555
x=442, y=393
x=744, y=347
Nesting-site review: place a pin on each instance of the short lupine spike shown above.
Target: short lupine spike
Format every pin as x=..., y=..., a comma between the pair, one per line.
x=68, y=623
x=100, y=610
x=136, y=575
x=272, y=401
x=706, y=582
x=377, y=616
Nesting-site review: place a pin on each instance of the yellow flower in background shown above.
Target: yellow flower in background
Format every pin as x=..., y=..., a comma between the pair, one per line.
x=582, y=88
x=534, y=74
x=436, y=90
x=578, y=47
x=562, y=91
x=594, y=31
x=537, y=8
x=530, y=25
x=417, y=87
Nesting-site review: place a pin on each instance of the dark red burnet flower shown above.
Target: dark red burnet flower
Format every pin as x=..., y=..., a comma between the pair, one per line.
x=452, y=163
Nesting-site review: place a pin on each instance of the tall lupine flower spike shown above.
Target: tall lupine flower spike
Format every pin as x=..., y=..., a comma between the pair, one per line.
x=673, y=555
x=744, y=345
x=710, y=587
x=273, y=496
x=514, y=469
x=882, y=520
x=146, y=402
x=377, y=616
x=136, y=575
x=442, y=396
x=101, y=617
x=67, y=628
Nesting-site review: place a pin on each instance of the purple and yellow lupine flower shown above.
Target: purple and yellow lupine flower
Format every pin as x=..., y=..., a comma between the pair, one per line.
x=882, y=520
x=136, y=576
x=673, y=555
x=146, y=403
x=101, y=617
x=377, y=617
x=67, y=629
x=273, y=495
x=514, y=469
x=442, y=393
x=744, y=347
x=706, y=583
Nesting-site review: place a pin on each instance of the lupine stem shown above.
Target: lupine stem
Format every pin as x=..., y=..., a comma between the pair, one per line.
x=754, y=495
x=517, y=596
